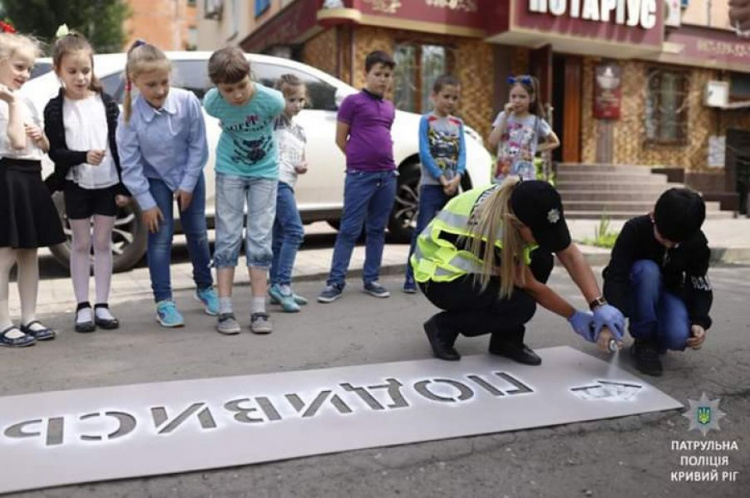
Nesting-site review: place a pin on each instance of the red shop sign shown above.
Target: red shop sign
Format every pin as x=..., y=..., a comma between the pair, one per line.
x=607, y=91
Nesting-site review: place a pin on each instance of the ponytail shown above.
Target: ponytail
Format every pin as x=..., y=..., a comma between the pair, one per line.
x=492, y=216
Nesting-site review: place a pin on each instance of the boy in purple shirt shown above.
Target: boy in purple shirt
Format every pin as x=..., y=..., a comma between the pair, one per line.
x=363, y=133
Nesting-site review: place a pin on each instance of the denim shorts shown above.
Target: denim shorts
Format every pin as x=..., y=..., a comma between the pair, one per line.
x=233, y=193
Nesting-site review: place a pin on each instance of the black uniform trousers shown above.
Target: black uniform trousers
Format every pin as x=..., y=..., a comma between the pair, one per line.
x=471, y=311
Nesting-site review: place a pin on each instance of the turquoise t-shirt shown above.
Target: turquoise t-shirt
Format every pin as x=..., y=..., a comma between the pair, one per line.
x=247, y=146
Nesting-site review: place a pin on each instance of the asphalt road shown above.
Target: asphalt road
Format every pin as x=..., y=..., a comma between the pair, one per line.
x=625, y=457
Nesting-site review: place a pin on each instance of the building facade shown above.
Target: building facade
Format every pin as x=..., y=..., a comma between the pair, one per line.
x=168, y=24
x=660, y=83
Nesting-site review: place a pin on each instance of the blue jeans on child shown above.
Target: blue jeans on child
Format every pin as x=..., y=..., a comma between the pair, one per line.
x=193, y=221
x=232, y=193
x=368, y=200
x=431, y=200
x=657, y=315
x=288, y=234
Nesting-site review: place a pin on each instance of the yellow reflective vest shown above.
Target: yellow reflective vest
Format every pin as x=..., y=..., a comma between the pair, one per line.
x=439, y=260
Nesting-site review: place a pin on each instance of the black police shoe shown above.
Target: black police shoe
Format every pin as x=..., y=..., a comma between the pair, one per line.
x=516, y=352
x=646, y=358
x=441, y=341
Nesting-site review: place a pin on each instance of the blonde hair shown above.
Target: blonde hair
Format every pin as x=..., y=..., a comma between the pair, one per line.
x=492, y=214
x=70, y=44
x=142, y=58
x=288, y=81
x=13, y=43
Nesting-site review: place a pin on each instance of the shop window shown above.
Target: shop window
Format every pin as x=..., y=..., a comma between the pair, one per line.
x=417, y=68
x=261, y=6
x=739, y=86
x=667, y=106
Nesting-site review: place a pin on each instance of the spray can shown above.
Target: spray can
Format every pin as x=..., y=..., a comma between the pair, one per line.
x=612, y=346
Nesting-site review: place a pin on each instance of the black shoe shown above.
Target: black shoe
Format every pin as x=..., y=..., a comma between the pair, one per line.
x=105, y=323
x=517, y=352
x=87, y=326
x=441, y=342
x=646, y=358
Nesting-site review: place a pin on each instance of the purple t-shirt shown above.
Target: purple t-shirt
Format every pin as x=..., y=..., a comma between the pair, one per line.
x=370, y=146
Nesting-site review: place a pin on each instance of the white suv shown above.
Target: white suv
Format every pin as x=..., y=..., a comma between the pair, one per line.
x=319, y=193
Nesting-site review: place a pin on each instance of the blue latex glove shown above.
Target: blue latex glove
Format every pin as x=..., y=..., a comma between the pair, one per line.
x=583, y=324
x=610, y=317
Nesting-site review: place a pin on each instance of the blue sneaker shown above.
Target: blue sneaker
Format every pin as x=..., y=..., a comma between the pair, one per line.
x=210, y=300
x=410, y=286
x=375, y=289
x=330, y=293
x=167, y=314
x=297, y=299
x=285, y=299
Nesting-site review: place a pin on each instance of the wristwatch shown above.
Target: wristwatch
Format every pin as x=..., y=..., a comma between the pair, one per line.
x=599, y=301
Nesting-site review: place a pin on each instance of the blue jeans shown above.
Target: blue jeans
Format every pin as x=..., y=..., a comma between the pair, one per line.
x=159, y=253
x=232, y=193
x=368, y=200
x=657, y=315
x=431, y=200
x=288, y=234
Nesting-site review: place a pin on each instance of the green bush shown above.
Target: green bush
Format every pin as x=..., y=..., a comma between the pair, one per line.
x=603, y=236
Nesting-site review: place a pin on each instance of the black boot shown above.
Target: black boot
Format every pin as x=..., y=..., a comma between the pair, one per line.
x=646, y=357
x=441, y=340
x=510, y=345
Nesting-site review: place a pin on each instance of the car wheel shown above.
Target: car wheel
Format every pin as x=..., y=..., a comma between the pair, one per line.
x=404, y=215
x=128, y=237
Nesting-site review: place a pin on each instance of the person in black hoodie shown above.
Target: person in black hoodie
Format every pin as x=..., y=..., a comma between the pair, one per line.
x=80, y=123
x=658, y=277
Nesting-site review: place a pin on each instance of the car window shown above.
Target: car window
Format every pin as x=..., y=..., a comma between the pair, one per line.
x=191, y=75
x=39, y=69
x=320, y=94
x=114, y=86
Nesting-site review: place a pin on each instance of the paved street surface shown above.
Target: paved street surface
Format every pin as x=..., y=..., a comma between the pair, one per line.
x=625, y=457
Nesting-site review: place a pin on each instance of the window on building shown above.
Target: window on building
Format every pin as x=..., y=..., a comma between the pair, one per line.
x=739, y=86
x=417, y=68
x=667, y=106
x=261, y=6
x=191, y=3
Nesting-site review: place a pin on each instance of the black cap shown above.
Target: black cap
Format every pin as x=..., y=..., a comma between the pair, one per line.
x=679, y=214
x=537, y=204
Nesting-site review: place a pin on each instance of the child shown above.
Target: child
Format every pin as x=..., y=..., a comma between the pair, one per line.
x=80, y=123
x=442, y=152
x=247, y=172
x=363, y=133
x=28, y=218
x=287, y=229
x=161, y=137
x=658, y=277
x=518, y=129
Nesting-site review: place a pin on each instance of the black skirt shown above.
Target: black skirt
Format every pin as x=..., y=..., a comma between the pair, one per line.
x=28, y=218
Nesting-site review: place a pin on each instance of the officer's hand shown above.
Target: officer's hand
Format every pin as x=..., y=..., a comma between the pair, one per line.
x=583, y=325
x=610, y=317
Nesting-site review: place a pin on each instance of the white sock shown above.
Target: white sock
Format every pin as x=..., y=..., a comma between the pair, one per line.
x=225, y=305
x=83, y=315
x=103, y=313
x=257, y=305
x=285, y=289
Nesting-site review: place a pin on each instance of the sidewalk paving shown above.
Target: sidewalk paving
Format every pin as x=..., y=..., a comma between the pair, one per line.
x=729, y=240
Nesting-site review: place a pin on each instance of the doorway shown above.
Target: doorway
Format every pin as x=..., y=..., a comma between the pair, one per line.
x=566, y=105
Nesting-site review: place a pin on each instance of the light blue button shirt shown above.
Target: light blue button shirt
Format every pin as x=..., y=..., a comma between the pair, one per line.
x=247, y=147
x=167, y=144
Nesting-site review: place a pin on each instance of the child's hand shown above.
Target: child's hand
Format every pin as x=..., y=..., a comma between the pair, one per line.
x=301, y=168
x=94, y=157
x=509, y=108
x=152, y=218
x=183, y=199
x=33, y=132
x=697, y=337
x=122, y=200
x=7, y=94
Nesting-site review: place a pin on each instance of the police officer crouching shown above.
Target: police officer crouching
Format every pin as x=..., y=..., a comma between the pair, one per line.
x=485, y=260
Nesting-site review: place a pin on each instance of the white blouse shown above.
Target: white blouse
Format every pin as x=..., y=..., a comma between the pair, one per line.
x=85, y=122
x=29, y=115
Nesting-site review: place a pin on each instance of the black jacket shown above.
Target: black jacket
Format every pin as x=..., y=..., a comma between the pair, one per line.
x=65, y=158
x=684, y=268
